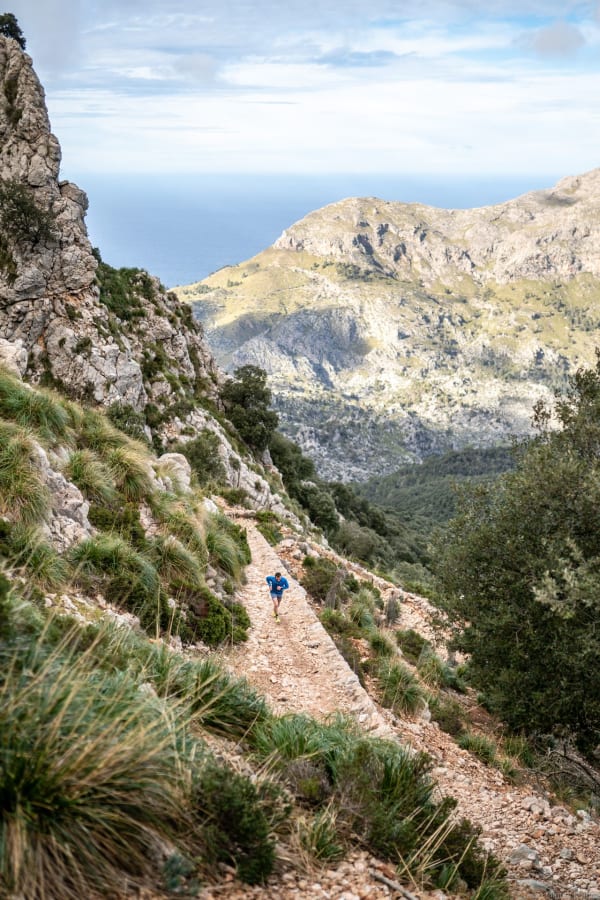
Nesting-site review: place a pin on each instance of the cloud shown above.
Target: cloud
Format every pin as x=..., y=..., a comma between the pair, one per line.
x=559, y=40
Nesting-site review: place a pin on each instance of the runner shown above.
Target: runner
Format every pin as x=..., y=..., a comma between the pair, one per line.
x=277, y=585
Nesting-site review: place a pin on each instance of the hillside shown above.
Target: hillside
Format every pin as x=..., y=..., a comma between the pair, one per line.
x=393, y=331
x=160, y=735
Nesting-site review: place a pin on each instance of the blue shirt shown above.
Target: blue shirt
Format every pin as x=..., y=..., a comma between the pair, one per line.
x=277, y=586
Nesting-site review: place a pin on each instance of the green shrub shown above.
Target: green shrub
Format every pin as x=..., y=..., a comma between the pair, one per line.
x=318, y=576
x=23, y=223
x=336, y=622
x=23, y=495
x=449, y=715
x=121, y=290
x=217, y=701
x=124, y=417
x=520, y=748
x=234, y=817
x=412, y=644
x=320, y=837
x=24, y=549
x=227, y=545
x=434, y=671
x=268, y=524
x=122, y=521
x=202, y=453
x=174, y=561
x=130, y=471
x=399, y=689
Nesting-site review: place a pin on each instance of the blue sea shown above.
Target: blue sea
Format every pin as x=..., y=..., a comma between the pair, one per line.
x=182, y=228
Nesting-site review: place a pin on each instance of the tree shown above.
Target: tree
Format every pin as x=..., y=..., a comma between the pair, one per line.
x=247, y=399
x=9, y=27
x=519, y=570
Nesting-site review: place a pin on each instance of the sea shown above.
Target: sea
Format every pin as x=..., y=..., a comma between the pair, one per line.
x=183, y=228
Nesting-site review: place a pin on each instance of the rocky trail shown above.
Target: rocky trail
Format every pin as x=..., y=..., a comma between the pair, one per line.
x=549, y=851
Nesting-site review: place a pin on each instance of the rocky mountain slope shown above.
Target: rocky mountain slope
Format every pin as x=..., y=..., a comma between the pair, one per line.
x=109, y=341
x=391, y=331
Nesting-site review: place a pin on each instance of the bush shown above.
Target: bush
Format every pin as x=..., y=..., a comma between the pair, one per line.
x=412, y=644
x=9, y=27
x=87, y=471
x=124, y=417
x=247, y=399
x=320, y=836
x=268, y=525
x=202, y=454
x=227, y=545
x=380, y=644
x=448, y=714
x=234, y=817
x=318, y=576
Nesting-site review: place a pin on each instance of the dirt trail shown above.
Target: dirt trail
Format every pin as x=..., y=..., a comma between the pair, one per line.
x=550, y=853
x=294, y=662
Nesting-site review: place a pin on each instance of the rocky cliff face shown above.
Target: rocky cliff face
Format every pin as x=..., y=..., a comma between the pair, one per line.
x=50, y=301
x=391, y=331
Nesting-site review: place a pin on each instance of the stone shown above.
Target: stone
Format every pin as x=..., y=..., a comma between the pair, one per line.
x=538, y=887
x=179, y=467
x=13, y=356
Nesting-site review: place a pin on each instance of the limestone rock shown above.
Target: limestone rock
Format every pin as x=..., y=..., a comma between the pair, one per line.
x=51, y=305
x=419, y=329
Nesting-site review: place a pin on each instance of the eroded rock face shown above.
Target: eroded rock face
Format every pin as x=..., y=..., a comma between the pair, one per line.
x=402, y=328
x=52, y=304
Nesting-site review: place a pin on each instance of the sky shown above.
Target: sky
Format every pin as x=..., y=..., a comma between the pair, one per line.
x=455, y=87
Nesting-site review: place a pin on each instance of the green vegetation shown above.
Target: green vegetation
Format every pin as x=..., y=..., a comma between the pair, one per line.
x=519, y=575
x=23, y=223
x=9, y=27
x=158, y=578
x=202, y=453
x=247, y=399
x=121, y=289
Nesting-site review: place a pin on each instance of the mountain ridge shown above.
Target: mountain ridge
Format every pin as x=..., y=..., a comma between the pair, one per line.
x=413, y=329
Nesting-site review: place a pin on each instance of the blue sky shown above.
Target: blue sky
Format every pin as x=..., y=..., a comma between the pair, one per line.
x=317, y=86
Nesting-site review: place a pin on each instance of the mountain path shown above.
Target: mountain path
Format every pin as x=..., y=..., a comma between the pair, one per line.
x=548, y=851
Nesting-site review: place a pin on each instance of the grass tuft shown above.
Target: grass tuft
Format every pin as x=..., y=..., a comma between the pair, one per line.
x=93, y=478
x=23, y=495
x=400, y=690
x=36, y=410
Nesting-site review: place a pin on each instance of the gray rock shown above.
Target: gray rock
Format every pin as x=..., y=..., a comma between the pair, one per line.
x=13, y=356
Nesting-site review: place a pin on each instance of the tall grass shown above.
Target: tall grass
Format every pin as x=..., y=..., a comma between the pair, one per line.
x=90, y=778
x=93, y=478
x=25, y=549
x=131, y=472
x=173, y=561
x=34, y=410
x=23, y=495
x=399, y=689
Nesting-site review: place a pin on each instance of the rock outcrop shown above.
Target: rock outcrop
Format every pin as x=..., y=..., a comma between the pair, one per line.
x=412, y=328
x=51, y=300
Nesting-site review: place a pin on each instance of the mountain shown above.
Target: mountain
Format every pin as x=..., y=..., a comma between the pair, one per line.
x=135, y=757
x=393, y=331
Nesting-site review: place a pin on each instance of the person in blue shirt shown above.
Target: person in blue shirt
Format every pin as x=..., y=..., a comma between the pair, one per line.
x=277, y=585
